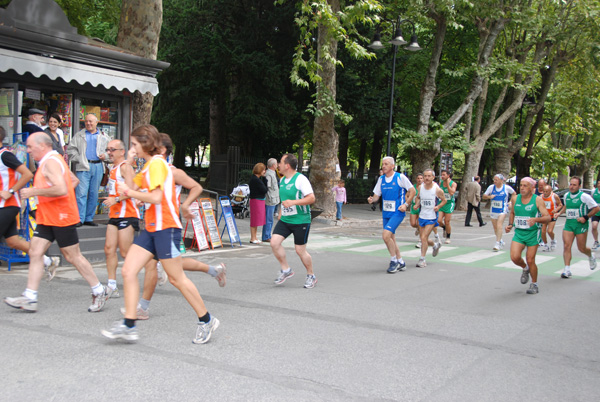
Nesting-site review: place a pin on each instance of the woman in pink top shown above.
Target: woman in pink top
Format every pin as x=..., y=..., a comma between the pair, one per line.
x=340, y=198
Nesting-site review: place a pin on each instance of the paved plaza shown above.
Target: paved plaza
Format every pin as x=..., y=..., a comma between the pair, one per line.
x=461, y=329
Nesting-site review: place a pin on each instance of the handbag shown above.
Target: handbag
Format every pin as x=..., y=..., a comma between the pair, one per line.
x=105, y=176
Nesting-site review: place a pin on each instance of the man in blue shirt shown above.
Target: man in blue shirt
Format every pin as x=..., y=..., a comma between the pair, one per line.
x=88, y=150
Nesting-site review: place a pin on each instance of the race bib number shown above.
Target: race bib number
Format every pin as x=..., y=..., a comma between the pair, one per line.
x=427, y=203
x=572, y=213
x=389, y=206
x=521, y=222
x=497, y=204
x=288, y=211
x=447, y=196
x=547, y=204
x=112, y=187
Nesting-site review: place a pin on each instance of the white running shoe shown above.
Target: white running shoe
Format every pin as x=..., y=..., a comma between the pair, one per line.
x=593, y=263
x=552, y=245
x=566, y=274
x=502, y=244
x=546, y=248
x=418, y=244
x=421, y=263
x=447, y=241
x=496, y=246
x=595, y=246
x=436, y=249
x=162, y=275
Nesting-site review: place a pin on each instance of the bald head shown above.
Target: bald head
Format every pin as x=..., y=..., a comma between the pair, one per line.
x=40, y=139
x=38, y=145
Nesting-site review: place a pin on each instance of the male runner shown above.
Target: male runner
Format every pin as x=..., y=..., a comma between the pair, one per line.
x=414, y=212
x=526, y=212
x=580, y=208
x=445, y=216
x=499, y=193
x=57, y=218
x=397, y=192
x=296, y=196
x=596, y=218
x=426, y=199
x=554, y=207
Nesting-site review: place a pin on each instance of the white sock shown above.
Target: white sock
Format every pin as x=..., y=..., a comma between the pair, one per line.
x=287, y=271
x=400, y=260
x=567, y=268
x=47, y=261
x=394, y=259
x=112, y=283
x=30, y=294
x=98, y=289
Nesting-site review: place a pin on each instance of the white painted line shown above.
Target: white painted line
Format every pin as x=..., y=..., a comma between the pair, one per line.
x=539, y=259
x=375, y=247
x=417, y=252
x=474, y=256
x=580, y=268
x=338, y=243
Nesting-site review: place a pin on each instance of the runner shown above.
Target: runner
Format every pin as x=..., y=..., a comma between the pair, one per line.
x=445, y=215
x=527, y=211
x=397, y=193
x=499, y=193
x=123, y=215
x=426, y=199
x=296, y=196
x=580, y=208
x=154, y=273
x=160, y=239
x=596, y=218
x=554, y=207
x=57, y=219
x=14, y=175
x=414, y=212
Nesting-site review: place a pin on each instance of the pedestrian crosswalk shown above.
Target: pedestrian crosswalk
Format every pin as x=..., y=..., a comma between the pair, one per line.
x=548, y=264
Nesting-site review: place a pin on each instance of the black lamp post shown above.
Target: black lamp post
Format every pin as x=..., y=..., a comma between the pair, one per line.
x=398, y=40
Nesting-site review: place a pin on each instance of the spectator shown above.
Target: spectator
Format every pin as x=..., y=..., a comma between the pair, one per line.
x=258, y=190
x=272, y=198
x=340, y=198
x=55, y=133
x=34, y=122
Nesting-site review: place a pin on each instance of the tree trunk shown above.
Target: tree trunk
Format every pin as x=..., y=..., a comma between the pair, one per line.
x=139, y=32
x=325, y=138
x=471, y=168
x=343, y=150
x=362, y=155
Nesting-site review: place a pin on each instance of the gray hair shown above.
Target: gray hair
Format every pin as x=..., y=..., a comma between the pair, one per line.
x=271, y=162
x=500, y=176
x=429, y=170
x=390, y=159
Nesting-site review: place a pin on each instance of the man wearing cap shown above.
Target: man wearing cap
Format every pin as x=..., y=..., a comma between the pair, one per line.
x=88, y=150
x=34, y=122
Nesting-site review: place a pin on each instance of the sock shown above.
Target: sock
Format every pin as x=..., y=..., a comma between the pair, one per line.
x=212, y=271
x=129, y=323
x=567, y=268
x=534, y=283
x=400, y=260
x=437, y=236
x=287, y=271
x=112, y=283
x=205, y=318
x=98, y=289
x=30, y=294
x=394, y=259
x=448, y=235
x=144, y=304
x=47, y=261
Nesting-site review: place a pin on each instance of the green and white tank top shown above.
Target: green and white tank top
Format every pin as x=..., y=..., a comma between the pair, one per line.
x=296, y=214
x=523, y=212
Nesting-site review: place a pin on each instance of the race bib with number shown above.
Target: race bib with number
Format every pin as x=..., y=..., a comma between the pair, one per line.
x=112, y=187
x=521, y=222
x=572, y=213
x=496, y=204
x=389, y=206
x=547, y=204
x=288, y=211
x=427, y=203
x=447, y=196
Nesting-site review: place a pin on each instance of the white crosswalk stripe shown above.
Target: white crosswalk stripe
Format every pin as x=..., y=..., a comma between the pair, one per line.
x=539, y=259
x=580, y=268
x=374, y=247
x=417, y=252
x=474, y=256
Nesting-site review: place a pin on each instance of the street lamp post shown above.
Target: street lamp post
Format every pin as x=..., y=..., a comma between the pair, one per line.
x=398, y=40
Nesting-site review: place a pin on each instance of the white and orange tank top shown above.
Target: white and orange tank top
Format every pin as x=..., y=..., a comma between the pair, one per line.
x=157, y=174
x=8, y=178
x=178, y=187
x=550, y=203
x=56, y=211
x=125, y=208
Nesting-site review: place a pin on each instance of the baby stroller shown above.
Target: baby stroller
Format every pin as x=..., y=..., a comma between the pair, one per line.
x=240, y=201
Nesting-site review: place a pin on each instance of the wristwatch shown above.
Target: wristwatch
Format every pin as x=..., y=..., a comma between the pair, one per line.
x=117, y=200
x=10, y=190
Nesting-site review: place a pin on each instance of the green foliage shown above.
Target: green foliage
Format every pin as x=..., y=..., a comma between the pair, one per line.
x=94, y=18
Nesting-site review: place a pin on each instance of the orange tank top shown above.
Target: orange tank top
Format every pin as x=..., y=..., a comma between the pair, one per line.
x=125, y=208
x=550, y=204
x=165, y=215
x=8, y=178
x=56, y=211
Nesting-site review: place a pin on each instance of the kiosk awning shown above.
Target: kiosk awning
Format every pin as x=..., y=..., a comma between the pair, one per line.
x=69, y=71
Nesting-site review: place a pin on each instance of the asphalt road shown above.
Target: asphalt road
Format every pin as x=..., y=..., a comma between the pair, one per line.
x=461, y=329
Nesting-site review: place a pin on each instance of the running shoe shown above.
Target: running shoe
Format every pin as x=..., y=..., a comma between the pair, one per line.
x=310, y=282
x=436, y=249
x=447, y=241
x=525, y=276
x=496, y=246
x=51, y=269
x=418, y=244
x=416, y=231
x=421, y=263
x=221, y=274
x=541, y=244
x=393, y=268
x=533, y=289
x=552, y=245
x=283, y=276
x=566, y=274
x=162, y=275
x=401, y=266
x=595, y=246
x=140, y=312
x=593, y=263
x=502, y=244
x=444, y=233
x=112, y=293
x=205, y=330
x=121, y=331
x=98, y=301
x=546, y=248
x=22, y=303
